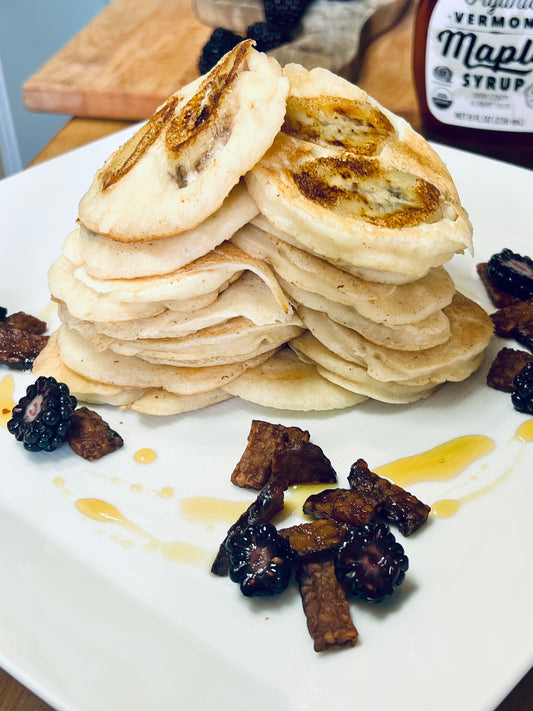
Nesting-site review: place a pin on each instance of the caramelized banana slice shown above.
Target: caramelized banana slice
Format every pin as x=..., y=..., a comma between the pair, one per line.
x=350, y=181
x=178, y=168
x=363, y=189
x=338, y=123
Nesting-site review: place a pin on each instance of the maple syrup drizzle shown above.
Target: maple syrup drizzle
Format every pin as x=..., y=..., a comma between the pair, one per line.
x=7, y=389
x=441, y=463
x=207, y=509
x=446, y=508
x=104, y=512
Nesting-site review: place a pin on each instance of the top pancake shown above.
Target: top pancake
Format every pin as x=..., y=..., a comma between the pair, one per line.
x=178, y=168
x=354, y=183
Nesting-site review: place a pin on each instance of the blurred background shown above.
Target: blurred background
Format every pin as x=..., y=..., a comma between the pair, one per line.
x=31, y=31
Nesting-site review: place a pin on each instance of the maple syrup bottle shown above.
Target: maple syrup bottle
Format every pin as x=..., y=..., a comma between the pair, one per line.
x=473, y=68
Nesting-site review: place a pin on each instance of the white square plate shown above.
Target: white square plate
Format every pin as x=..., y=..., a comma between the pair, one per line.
x=101, y=615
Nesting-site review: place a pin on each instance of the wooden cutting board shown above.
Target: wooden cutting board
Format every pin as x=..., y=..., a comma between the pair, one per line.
x=125, y=63
x=133, y=55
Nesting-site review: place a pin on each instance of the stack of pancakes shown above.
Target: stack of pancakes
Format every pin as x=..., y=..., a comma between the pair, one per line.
x=269, y=234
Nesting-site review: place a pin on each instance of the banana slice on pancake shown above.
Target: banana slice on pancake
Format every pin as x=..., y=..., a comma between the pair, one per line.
x=178, y=168
x=354, y=183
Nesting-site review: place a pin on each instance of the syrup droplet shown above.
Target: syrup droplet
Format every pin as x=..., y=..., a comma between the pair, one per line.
x=145, y=456
x=60, y=483
x=525, y=432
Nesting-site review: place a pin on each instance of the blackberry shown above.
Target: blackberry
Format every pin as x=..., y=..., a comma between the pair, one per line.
x=522, y=395
x=284, y=12
x=513, y=273
x=371, y=563
x=267, y=35
x=260, y=560
x=42, y=418
x=220, y=43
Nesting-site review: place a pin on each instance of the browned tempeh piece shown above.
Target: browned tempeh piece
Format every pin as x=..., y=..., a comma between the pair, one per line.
x=21, y=339
x=302, y=463
x=26, y=322
x=90, y=436
x=342, y=505
x=505, y=367
x=523, y=333
x=18, y=348
x=325, y=606
x=255, y=465
x=315, y=538
x=396, y=505
x=507, y=320
x=267, y=503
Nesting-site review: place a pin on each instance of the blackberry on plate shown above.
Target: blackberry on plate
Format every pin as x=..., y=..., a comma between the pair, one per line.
x=513, y=273
x=260, y=560
x=284, y=12
x=522, y=395
x=371, y=563
x=42, y=418
x=220, y=43
x=267, y=35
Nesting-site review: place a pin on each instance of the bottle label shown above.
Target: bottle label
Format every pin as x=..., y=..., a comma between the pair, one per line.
x=479, y=64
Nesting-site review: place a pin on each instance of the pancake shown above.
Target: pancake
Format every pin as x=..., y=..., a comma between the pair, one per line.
x=286, y=382
x=354, y=183
x=383, y=303
x=471, y=330
x=162, y=403
x=49, y=363
x=232, y=341
x=248, y=297
x=431, y=331
x=114, y=369
x=378, y=275
x=105, y=258
x=86, y=304
x=178, y=169
x=195, y=285
x=354, y=377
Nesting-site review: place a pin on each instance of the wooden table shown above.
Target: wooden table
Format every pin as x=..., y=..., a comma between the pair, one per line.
x=136, y=84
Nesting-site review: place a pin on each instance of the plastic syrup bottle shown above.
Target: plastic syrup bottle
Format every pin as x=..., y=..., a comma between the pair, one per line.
x=473, y=65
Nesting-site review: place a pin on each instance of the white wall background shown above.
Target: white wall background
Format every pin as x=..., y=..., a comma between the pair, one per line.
x=31, y=31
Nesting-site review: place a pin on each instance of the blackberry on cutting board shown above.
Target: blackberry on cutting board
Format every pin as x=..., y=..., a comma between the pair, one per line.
x=371, y=563
x=220, y=43
x=267, y=35
x=513, y=273
x=42, y=418
x=522, y=395
x=260, y=560
x=284, y=12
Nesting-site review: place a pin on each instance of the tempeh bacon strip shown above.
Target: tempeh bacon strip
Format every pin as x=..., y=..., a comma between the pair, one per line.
x=325, y=606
